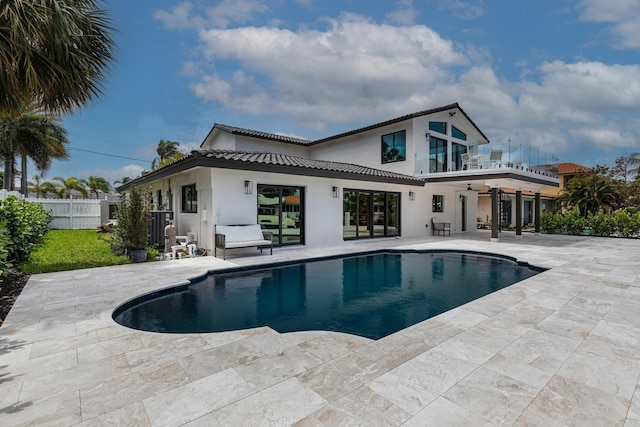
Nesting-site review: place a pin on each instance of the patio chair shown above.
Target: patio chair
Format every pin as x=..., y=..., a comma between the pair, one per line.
x=465, y=160
x=495, y=158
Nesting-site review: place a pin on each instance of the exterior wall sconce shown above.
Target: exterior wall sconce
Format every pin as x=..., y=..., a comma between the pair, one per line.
x=336, y=192
x=248, y=187
x=412, y=195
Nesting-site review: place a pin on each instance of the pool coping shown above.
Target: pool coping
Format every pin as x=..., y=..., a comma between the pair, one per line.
x=140, y=299
x=559, y=350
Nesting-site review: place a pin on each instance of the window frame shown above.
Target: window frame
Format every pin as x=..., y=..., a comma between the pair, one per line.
x=437, y=203
x=455, y=130
x=383, y=153
x=189, y=204
x=389, y=229
x=438, y=126
x=438, y=151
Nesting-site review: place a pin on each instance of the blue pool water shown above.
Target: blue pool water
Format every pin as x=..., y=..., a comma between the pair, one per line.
x=371, y=295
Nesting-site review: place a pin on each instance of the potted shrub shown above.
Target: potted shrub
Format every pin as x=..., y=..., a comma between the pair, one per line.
x=132, y=229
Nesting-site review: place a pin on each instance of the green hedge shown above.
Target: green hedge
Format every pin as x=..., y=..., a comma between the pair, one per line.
x=22, y=225
x=621, y=223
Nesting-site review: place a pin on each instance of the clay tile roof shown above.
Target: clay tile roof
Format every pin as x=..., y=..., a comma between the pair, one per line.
x=261, y=135
x=571, y=167
x=277, y=159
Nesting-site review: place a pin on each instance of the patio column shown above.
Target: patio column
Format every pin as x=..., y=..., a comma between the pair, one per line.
x=537, y=213
x=518, y=213
x=495, y=214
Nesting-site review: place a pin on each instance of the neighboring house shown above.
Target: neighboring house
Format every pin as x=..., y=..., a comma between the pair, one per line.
x=566, y=172
x=385, y=180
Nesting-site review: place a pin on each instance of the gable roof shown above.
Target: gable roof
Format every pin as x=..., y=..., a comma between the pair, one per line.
x=262, y=135
x=300, y=141
x=276, y=163
x=401, y=119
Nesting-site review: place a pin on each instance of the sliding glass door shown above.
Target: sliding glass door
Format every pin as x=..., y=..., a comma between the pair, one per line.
x=280, y=211
x=368, y=214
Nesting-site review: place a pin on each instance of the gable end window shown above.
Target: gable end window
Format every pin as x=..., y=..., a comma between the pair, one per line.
x=440, y=127
x=394, y=147
x=189, y=199
x=457, y=133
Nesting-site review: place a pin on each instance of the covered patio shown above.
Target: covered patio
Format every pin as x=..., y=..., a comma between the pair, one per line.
x=493, y=180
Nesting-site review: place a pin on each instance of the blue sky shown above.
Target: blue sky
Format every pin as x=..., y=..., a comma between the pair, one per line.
x=556, y=77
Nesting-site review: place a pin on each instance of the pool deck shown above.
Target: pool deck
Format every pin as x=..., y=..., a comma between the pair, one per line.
x=560, y=348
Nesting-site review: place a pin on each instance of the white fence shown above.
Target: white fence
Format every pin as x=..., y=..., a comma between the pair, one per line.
x=70, y=214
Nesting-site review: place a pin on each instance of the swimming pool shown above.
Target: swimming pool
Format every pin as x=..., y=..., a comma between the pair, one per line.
x=371, y=295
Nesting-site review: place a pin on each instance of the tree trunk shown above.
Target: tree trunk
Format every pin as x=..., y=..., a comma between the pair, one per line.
x=8, y=171
x=23, y=178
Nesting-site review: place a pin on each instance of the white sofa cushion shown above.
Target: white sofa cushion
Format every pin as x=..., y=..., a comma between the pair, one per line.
x=240, y=233
x=247, y=243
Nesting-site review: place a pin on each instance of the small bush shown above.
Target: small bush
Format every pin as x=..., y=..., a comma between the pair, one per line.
x=601, y=224
x=573, y=222
x=5, y=242
x=550, y=222
x=627, y=225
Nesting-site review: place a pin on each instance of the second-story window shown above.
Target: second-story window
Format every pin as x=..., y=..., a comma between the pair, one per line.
x=394, y=147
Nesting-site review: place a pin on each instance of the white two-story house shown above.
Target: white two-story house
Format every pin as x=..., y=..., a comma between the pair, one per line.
x=389, y=179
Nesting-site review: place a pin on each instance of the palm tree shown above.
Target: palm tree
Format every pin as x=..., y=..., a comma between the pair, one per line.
x=70, y=184
x=589, y=192
x=54, y=51
x=42, y=188
x=121, y=181
x=166, y=150
x=97, y=184
x=34, y=134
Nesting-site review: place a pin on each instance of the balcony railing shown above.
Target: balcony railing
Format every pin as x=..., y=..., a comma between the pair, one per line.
x=425, y=165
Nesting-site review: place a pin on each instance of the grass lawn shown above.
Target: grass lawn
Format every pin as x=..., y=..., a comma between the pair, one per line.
x=62, y=250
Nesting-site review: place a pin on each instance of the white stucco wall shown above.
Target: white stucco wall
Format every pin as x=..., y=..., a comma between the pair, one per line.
x=365, y=149
x=251, y=144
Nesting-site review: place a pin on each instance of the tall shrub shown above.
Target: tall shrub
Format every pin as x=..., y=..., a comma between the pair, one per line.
x=26, y=223
x=133, y=215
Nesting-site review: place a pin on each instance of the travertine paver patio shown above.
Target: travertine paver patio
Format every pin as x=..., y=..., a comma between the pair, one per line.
x=561, y=348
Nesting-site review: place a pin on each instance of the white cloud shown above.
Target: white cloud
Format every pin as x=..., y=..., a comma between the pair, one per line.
x=321, y=74
x=231, y=11
x=463, y=9
x=221, y=15
x=356, y=71
x=405, y=14
x=622, y=15
x=177, y=18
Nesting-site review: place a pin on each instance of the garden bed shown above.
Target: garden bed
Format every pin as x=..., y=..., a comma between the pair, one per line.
x=10, y=289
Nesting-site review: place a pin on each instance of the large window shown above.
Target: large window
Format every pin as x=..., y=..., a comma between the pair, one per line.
x=440, y=127
x=437, y=155
x=457, y=150
x=280, y=211
x=370, y=214
x=394, y=147
x=189, y=199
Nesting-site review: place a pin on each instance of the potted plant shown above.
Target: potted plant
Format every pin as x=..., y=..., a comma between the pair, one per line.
x=132, y=229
